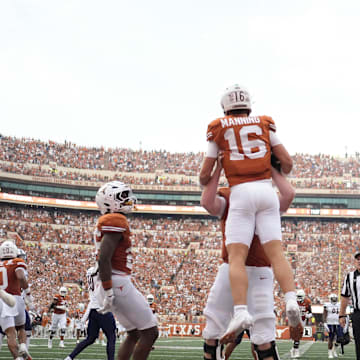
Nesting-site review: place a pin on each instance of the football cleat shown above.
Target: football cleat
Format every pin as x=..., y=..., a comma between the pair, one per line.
x=23, y=352
x=242, y=320
x=293, y=313
x=61, y=344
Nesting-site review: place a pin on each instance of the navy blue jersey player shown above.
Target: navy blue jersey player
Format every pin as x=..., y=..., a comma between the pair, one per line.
x=96, y=321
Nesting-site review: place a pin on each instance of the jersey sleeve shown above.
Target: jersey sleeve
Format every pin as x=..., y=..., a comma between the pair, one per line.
x=211, y=131
x=20, y=264
x=270, y=123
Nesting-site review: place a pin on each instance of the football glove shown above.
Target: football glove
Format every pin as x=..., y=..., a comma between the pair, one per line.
x=108, y=301
x=275, y=163
x=296, y=332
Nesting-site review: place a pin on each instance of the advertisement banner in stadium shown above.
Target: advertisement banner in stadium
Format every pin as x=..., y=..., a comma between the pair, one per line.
x=189, y=329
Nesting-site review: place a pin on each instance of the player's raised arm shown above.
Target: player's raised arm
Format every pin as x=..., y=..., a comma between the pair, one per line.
x=284, y=157
x=209, y=198
x=286, y=190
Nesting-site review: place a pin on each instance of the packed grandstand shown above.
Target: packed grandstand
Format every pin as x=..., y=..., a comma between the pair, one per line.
x=176, y=243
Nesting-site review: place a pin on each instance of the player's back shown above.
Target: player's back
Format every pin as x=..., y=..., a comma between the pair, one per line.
x=245, y=142
x=9, y=277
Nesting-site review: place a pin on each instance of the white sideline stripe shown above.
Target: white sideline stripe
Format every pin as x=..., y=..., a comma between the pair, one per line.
x=303, y=349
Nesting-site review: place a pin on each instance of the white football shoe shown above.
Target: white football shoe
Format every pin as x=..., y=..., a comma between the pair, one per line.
x=297, y=353
x=61, y=344
x=242, y=320
x=293, y=312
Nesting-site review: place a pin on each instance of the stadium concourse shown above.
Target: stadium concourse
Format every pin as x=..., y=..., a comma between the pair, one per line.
x=176, y=250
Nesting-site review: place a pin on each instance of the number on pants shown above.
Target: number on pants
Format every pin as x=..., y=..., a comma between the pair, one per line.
x=3, y=278
x=246, y=144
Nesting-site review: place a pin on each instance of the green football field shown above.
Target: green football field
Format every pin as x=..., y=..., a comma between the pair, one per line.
x=175, y=348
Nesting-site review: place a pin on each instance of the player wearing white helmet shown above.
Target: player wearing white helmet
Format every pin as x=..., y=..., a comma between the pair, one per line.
x=114, y=200
x=58, y=320
x=12, y=304
x=247, y=144
x=331, y=323
x=306, y=315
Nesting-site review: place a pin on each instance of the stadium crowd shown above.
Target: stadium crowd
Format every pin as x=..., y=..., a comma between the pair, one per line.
x=168, y=253
x=77, y=163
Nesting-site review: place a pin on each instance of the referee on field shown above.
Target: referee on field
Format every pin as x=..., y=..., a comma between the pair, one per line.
x=351, y=289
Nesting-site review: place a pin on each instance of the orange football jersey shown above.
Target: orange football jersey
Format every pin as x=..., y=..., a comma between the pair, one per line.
x=8, y=275
x=116, y=223
x=245, y=142
x=305, y=308
x=256, y=255
x=59, y=300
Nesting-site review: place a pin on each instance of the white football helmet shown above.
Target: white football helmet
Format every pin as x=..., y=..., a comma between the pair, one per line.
x=63, y=291
x=300, y=295
x=236, y=97
x=8, y=250
x=115, y=196
x=150, y=299
x=333, y=298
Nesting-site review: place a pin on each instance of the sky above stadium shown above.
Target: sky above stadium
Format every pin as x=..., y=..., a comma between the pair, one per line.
x=150, y=74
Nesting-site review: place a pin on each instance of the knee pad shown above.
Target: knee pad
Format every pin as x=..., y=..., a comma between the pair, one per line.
x=271, y=352
x=296, y=344
x=216, y=351
x=263, y=331
x=62, y=332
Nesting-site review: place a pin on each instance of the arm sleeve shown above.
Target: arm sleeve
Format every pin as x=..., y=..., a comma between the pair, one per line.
x=274, y=140
x=212, y=150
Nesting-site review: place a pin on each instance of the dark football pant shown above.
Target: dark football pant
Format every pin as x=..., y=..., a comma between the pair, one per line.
x=355, y=317
x=97, y=321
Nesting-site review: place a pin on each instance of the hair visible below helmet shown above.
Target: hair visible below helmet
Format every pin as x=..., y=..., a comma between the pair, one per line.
x=300, y=295
x=150, y=299
x=236, y=97
x=63, y=291
x=115, y=196
x=333, y=298
x=8, y=250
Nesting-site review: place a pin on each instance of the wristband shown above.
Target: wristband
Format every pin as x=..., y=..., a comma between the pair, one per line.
x=107, y=284
x=342, y=316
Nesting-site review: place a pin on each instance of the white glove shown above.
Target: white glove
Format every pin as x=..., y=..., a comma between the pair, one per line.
x=309, y=315
x=326, y=327
x=108, y=301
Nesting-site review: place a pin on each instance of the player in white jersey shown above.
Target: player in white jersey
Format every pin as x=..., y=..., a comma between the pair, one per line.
x=97, y=320
x=331, y=323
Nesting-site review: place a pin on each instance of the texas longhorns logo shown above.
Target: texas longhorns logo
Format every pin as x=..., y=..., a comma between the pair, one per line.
x=279, y=332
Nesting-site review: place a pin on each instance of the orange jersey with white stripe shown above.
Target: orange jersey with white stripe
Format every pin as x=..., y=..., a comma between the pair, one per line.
x=256, y=255
x=60, y=300
x=305, y=308
x=116, y=223
x=8, y=276
x=245, y=142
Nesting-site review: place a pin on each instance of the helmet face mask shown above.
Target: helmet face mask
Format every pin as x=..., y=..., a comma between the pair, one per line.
x=8, y=250
x=63, y=291
x=114, y=197
x=300, y=295
x=333, y=298
x=236, y=97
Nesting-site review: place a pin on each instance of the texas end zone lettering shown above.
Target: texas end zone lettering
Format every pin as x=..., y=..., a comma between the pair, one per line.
x=227, y=122
x=185, y=329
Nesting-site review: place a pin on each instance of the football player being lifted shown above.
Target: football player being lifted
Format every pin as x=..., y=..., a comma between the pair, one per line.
x=332, y=325
x=112, y=238
x=58, y=319
x=306, y=315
